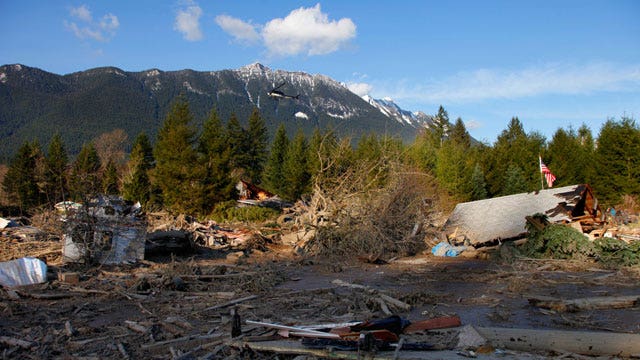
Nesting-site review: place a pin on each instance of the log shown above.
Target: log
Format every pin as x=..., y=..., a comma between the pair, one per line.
x=16, y=342
x=432, y=324
x=232, y=302
x=592, y=303
x=579, y=342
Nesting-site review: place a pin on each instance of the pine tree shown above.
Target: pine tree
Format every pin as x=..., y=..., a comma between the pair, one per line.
x=439, y=131
x=478, y=185
x=239, y=147
x=177, y=173
x=137, y=184
x=110, y=179
x=274, y=171
x=21, y=180
x=618, y=160
x=257, y=137
x=215, y=155
x=459, y=134
x=514, y=147
x=85, y=180
x=296, y=171
x=451, y=169
x=56, y=162
x=514, y=181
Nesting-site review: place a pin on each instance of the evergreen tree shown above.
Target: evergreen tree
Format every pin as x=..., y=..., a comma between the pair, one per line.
x=478, y=185
x=451, y=169
x=85, y=180
x=215, y=154
x=239, y=147
x=110, y=179
x=514, y=182
x=21, y=181
x=516, y=148
x=56, y=161
x=296, y=171
x=569, y=159
x=274, y=171
x=423, y=151
x=257, y=138
x=459, y=134
x=137, y=184
x=618, y=160
x=439, y=130
x=177, y=173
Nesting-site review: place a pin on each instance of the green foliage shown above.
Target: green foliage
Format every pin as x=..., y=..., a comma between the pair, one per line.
x=137, y=184
x=85, y=179
x=478, y=185
x=296, y=171
x=177, y=173
x=570, y=156
x=618, y=160
x=229, y=212
x=274, y=179
x=452, y=168
x=514, y=149
x=21, y=181
x=514, y=181
x=55, y=174
x=215, y=156
x=257, y=138
x=558, y=241
x=110, y=179
x=616, y=252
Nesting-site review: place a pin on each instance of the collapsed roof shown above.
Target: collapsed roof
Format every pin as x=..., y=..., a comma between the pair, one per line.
x=504, y=218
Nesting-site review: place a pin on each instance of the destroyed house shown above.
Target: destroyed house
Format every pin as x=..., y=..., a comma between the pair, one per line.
x=504, y=218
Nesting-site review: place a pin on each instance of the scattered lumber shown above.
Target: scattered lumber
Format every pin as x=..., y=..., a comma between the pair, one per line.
x=592, y=303
x=15, y=342
x=578, y=342
x=432, y=324
x=232, y=302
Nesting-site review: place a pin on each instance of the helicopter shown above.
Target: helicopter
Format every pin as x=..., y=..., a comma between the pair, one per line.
x=277, y=94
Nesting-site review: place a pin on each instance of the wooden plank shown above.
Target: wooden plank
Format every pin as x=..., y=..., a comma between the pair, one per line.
x=579, y=342
x=431, y=324
x=592, y=303
x=296, y=348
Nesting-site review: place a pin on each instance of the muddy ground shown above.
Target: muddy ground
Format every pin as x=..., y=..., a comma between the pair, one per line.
x=179, y=307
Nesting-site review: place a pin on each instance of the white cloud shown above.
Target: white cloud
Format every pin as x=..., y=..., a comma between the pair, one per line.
x=240, y=30
x=188, y=22
x=549, y=79
x=82, y=13
x=305, y=31
x=360, y=89
x=88, y=28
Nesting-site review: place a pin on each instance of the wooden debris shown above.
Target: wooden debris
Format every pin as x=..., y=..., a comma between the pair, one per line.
x=593, y=303
x=579, y=342
x=432, y=324
x=232, y=302
x=16, y=342
x=69, y=277
x=136, y=326
x=69, y=329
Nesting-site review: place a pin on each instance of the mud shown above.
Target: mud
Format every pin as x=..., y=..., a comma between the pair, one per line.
x=180, y=307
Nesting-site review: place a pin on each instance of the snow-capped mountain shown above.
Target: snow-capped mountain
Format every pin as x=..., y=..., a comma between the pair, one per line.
x=35, y=104
x=392, y=110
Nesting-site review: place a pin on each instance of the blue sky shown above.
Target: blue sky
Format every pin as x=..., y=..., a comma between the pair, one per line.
x=551, y=63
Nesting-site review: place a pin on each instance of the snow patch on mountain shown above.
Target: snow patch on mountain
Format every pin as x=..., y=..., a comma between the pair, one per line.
x=187, y=85
x=301, y=115
x=390, y=109
x=3, y=78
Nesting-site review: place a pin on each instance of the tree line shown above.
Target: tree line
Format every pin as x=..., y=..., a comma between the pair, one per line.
x=190, y=170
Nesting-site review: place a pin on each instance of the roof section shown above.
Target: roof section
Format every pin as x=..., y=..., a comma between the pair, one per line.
x=504, y=217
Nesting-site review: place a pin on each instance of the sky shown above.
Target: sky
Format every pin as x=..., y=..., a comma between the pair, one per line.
x=553, y=64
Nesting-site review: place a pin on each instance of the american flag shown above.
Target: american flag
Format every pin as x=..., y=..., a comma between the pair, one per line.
x=547, y=173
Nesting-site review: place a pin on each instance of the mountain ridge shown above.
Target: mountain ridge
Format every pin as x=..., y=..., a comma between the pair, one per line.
x=35, y=104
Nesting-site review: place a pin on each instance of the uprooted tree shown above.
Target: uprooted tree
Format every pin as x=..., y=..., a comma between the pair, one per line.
x=374, y=207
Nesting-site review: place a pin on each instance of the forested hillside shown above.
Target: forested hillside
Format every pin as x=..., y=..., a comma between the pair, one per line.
x=35, y=104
